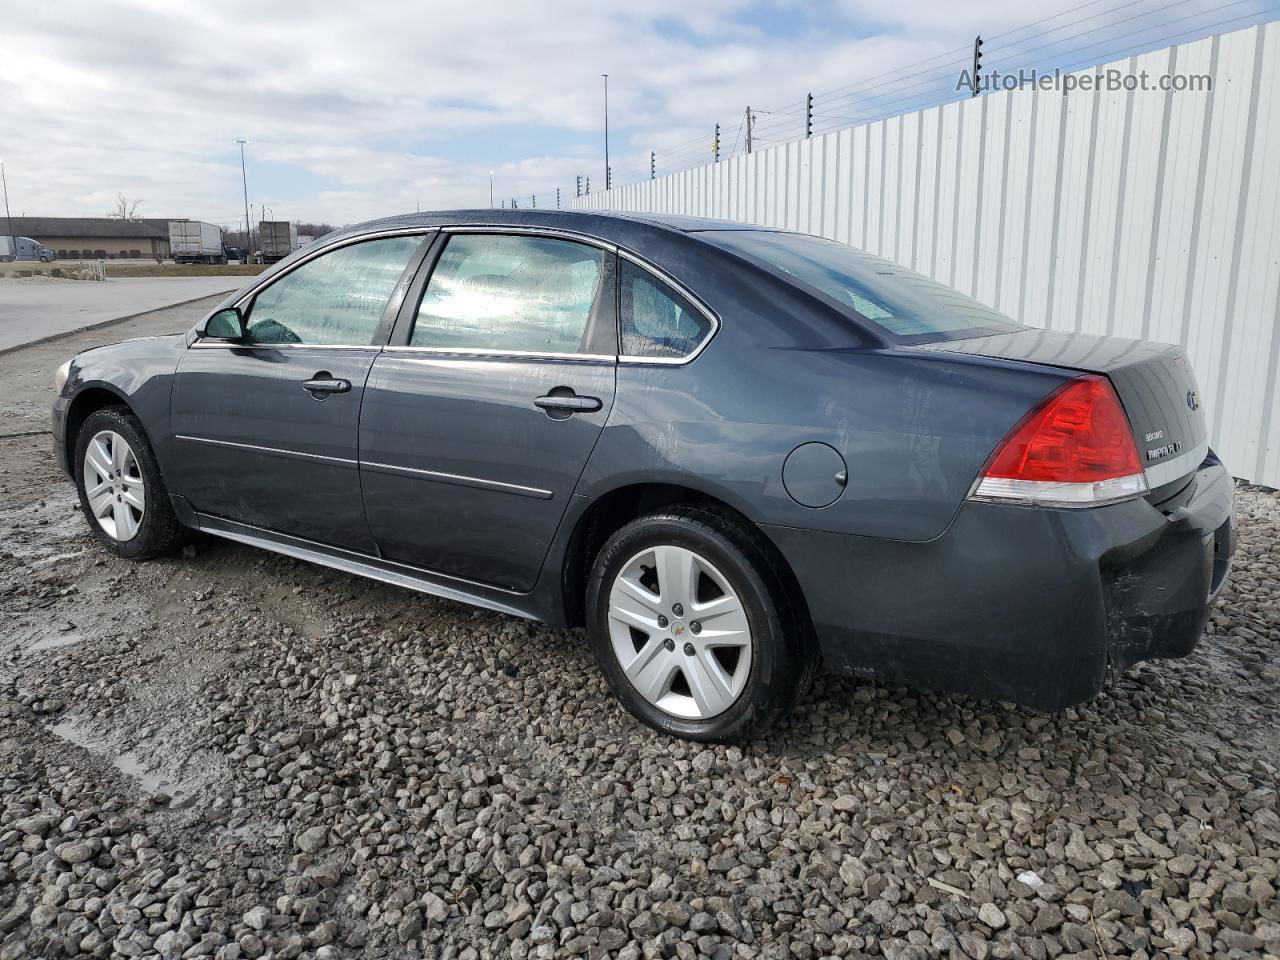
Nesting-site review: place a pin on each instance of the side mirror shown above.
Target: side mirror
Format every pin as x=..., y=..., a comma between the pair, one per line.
x=225, y=325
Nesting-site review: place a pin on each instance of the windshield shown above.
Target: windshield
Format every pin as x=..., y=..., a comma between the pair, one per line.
x=906, y=306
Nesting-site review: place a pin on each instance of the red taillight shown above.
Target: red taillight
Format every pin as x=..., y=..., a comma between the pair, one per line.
x=1075, y=449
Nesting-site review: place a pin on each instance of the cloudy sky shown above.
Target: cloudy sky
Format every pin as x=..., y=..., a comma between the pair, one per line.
x=357, y=110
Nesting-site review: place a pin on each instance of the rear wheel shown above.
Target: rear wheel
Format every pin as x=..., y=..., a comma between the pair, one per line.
x=687, y=617
x=121, y=491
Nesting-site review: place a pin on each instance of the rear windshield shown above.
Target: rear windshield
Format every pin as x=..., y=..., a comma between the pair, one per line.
x=905, y=306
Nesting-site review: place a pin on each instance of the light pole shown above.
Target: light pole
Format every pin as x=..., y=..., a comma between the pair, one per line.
x=490, y=189
x=248, y=229
x=8, y=220
x=607, y=184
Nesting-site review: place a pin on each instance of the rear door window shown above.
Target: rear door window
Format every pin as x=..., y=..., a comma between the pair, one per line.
x=526, y=294
x=655, y=321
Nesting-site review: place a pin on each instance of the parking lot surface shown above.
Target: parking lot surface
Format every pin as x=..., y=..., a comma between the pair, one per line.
x=232, y=754
x=34, y=309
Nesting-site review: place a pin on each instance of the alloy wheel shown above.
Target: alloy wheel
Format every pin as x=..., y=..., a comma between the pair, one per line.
x=114, y=486
x=680, y=632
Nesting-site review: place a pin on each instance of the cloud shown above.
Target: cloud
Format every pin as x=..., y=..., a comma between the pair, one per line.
x=359, y=110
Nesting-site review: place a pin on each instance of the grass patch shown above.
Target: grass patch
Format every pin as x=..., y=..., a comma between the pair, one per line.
x=118, y=269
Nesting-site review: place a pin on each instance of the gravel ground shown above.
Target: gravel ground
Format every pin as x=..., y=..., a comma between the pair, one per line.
x=231, y=754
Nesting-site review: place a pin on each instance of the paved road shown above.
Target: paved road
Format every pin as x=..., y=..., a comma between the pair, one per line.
x=31, y=311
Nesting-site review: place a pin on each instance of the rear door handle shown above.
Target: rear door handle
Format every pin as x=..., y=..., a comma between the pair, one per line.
x=571, y=402
x=324, y=383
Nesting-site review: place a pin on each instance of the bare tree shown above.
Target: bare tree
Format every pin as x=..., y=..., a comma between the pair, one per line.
x=125, y=209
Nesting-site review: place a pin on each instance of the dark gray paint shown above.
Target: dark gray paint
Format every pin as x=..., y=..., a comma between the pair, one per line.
x=902, y=575
x=253, y=446
x=508, y=468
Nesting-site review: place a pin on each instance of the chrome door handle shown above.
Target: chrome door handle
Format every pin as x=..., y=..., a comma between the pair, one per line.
x=323, y=384
x=570, y=402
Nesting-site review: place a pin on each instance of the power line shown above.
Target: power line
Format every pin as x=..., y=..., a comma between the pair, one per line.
x=892, y=92
x=1137, y=16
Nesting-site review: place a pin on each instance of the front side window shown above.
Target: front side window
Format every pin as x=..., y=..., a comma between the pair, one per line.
x=654, y=320
x=335, y=299
x=527, y=294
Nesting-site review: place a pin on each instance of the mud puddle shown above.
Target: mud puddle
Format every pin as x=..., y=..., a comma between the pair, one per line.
x=151, y=782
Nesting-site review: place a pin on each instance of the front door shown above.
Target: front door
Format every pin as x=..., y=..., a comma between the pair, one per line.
x=266, y=431
x=475, y=430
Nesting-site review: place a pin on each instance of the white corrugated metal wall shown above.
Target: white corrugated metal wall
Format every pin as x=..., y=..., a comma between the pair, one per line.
x=1141, y=214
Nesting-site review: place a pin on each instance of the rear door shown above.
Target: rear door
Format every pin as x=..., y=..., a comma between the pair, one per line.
x=267, y=430
x=479, y=418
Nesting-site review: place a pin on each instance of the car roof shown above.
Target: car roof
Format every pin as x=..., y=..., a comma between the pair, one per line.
x=617, y=227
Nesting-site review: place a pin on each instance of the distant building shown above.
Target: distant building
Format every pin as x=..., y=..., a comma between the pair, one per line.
x=97, y=238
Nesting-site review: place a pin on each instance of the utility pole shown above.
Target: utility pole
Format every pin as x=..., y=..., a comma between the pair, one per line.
x=607, y=178
x=653, y=165
x=248, y=224
x=748, y=129
x=977, y=62
x=577, y=185
x=808, y=115
x=490, y=189
x=535, y=201
x=8, y=219
x=715, y=146
x=588, y=186
x=557, y=198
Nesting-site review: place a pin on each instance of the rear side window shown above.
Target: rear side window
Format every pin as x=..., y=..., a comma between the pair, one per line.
x=334, y=300
x=906, y=306
x=526, y=294
x=655, y=320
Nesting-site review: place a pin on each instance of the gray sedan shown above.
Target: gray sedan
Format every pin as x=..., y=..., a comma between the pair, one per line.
x=732, y=454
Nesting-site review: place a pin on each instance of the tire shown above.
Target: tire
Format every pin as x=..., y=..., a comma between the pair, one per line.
x=687, y=695
x=157, y=528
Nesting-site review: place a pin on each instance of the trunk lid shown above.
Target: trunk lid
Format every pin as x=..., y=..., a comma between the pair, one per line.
x=1153, y=380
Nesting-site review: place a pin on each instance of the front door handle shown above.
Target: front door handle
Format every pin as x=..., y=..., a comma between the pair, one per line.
x=570, y=402
x=325, y=383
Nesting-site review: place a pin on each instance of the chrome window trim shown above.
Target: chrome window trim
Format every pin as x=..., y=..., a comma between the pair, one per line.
x=552, y=233
x=685, y=292
x=252, y=291
x=230, y=345
x=473, y=353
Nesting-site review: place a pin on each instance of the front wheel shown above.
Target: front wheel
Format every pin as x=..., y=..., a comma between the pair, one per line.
x=121, y=491
x=691, y=621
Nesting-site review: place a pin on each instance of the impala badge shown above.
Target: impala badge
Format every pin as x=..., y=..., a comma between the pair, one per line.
x=1158, y=453
x=1193, y=401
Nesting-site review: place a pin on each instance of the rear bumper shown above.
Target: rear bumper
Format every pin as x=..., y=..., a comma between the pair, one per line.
x=1023, y=604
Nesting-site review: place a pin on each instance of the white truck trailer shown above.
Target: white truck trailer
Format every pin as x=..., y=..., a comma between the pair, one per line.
x=276, y=240
x=194, y=241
